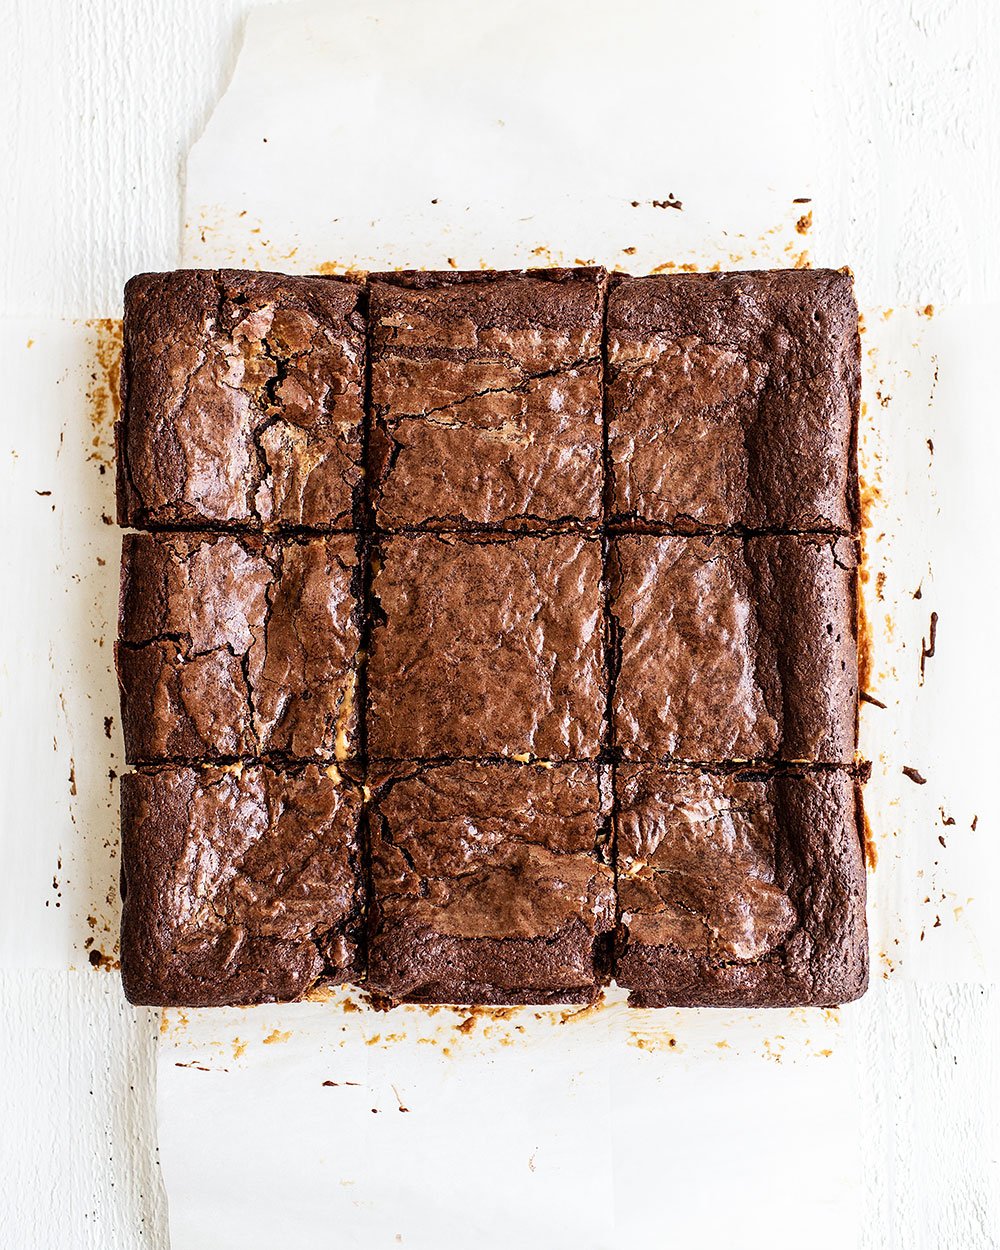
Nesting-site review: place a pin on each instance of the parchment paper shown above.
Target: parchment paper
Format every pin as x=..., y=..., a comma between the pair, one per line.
x=640, y=136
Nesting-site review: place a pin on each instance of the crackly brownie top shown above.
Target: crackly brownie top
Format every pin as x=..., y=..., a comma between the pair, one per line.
x=471, y=862
x=238, y=647
x=243, y=396
x=486, y=647
x=239, y=885
x=735, y=649
x=739, y=883
x=486, y=391
x=733, y=400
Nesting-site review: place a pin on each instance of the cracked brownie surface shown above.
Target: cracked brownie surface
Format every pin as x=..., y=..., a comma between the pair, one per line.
x=239, y=885
x=486, y=393
x=735, y=649
x=238, y=647
x=242, y=400
x=489, y=883
x=484, y=647
x=740, y=888
x=733, y=400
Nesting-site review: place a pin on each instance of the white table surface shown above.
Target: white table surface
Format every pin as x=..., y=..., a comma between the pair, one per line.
x=101, y=101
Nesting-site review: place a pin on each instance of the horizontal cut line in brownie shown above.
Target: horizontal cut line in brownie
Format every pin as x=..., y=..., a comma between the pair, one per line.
x=739, y=889
x=236, y=647
x=490, y=883
x=486, y=398
x=239, y=885
x=733, y=399
x=242, y=400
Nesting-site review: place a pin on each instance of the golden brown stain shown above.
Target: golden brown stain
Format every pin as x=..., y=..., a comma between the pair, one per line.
x=804, y=223
x=871, y=850
x=276, y=1036
x=239, y=1048
x=103, y=389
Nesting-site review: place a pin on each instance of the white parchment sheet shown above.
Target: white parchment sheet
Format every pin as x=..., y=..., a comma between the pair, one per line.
x=641, y=136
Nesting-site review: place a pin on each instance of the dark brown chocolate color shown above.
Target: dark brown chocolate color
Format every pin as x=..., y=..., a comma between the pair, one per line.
x=486, y=395
x=238, y=647
x=240, y=885
x=733, y=400
x=735, y=649
x=488, y=883
x=242, y=400
x=739, y=889
x=486, y=647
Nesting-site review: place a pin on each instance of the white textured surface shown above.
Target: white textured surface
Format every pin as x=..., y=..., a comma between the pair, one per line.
x=101, y=99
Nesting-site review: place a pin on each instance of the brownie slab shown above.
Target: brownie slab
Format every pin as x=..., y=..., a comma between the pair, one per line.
x=240, y=885
x=487, y=399
x=733, y=400
x=486, y=647
x=489, y=883
x=236, y=647
x=735, y=649
x=739, y=889
x=242, y=400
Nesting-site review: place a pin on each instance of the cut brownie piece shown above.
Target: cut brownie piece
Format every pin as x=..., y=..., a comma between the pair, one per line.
x=240, y=885
x=735, y=649
x=733, y=400
x=487, y=399
x=486, y=647
x=489, y=883
x=242, y=400
x=739, y=889
x=238, y=647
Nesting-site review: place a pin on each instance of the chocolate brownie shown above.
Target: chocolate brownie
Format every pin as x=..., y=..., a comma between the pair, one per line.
x=238, y=647
x=739, y=889
x=487, y=399
x=733, y=400
x=486, y=647
x=735, y=649
x=489, y=883
x=242, y=400
x=240, y=885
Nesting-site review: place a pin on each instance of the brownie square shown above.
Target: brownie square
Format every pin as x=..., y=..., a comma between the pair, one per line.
x=739, y=889
x=735, y=649
x=487, y=399
x=242, y=400
x=240, y=885
x=238, y=647
x=733, y=400
x=486, y=647
x=489, y=883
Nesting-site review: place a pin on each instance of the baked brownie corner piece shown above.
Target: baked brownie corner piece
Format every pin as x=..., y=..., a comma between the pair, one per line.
x=740, y=889
x=490, y=883
x=486, y=647
x=487, y=399
x=733, y=400
x=238, y=646
x=239, y=885
x=735, y=649
x=242, y=400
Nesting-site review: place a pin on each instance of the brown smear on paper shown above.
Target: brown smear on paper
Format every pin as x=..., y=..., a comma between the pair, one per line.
x=104, y=390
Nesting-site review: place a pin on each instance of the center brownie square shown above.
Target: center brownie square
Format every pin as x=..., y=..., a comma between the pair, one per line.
x=239, y=885
x=236, y=647
x=735, y=649
x=242, y=400
x=486, y=647
x=490, y=883
x=487, y=399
